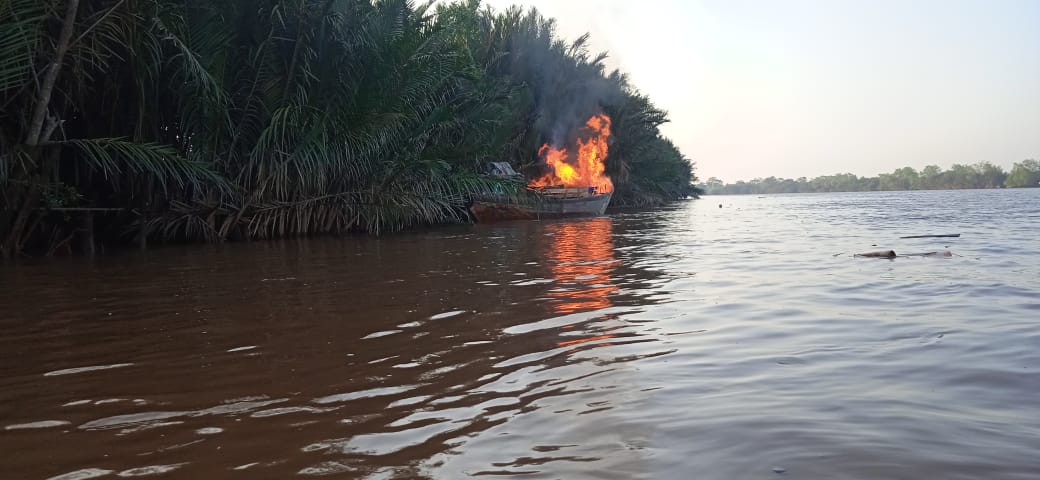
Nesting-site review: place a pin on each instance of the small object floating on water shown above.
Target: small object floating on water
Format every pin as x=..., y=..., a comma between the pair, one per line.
x=892, y=254
x=878, y=254
x=779, y=470
x=944, y=235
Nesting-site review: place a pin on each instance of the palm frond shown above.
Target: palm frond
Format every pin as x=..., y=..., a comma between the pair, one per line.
x=116, y=157
x=19, y=37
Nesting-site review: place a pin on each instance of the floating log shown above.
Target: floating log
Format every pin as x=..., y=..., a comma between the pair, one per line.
x=892, y=254
x=945, y=235
x=879, y=254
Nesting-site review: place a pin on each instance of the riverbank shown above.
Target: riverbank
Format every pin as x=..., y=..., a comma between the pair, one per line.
x=984, y=175
x=250, y=121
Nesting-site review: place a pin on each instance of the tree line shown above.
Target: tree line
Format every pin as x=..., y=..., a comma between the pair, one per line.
x=1023, y=174
x=178, y=120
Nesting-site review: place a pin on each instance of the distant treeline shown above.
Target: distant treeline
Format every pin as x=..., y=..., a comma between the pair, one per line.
x=178, y=120
x=981, y=175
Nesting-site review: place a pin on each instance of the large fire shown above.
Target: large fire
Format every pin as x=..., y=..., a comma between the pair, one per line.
x=587, y=169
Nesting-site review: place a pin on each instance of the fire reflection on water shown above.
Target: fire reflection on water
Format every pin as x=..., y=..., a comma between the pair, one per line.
x=581, y=256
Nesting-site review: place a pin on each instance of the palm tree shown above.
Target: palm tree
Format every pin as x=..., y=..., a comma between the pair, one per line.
x=190, y=120
x=49, y=83
x=358, y=117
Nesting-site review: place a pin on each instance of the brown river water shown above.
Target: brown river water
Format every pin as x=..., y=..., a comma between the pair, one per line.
x=742, y=342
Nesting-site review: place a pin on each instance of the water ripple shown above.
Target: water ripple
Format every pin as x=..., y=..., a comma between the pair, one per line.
x=744, y=342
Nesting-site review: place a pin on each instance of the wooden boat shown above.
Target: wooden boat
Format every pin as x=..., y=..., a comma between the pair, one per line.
x=549, y=202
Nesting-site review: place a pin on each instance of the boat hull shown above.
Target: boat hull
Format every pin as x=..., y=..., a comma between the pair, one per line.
x=492, y=211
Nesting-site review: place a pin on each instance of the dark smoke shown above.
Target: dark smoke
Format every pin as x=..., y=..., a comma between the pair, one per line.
x=563, y=116
x=568, y=86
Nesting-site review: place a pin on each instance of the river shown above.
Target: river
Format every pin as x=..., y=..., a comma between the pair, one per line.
x=691, y=342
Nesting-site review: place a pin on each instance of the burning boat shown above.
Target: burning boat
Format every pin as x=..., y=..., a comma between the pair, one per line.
x=576, y=184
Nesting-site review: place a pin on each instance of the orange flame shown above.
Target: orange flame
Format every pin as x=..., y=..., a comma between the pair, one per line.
x=589, y=167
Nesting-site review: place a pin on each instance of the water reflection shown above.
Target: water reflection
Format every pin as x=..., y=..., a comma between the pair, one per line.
x=403, y=356
x=648, y=345
x=581, y=256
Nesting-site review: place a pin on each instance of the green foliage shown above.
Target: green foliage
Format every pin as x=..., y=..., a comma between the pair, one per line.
x=980, y=175
x=556, y=87
x=242, y=119
x=114, y=158
x=19, y=36
x=1024, y=174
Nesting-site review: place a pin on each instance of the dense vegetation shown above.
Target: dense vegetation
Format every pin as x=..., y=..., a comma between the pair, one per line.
x=125, y=120
x=982, y=175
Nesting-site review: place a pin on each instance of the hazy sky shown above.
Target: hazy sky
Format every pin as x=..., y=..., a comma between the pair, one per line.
x=805, y=88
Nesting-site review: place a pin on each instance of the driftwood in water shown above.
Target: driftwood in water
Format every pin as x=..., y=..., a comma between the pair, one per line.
x=879, y=254
x=892, y=254
x=945, y=235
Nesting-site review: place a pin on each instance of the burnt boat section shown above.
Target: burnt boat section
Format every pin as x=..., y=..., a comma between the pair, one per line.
x=548, y=202
x=574, y=182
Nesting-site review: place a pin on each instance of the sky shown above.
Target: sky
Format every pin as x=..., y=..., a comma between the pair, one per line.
x=793, y=88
